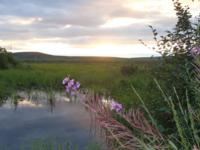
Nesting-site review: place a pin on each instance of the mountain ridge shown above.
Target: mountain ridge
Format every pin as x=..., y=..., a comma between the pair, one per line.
x=39, y=57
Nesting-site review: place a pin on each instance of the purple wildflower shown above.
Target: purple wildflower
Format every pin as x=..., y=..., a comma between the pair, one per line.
x=65, y=80
x=76, y=86
x=116, y=106
x=71, y=83
x=71, y=86
x=67, y=89
x=195, y=51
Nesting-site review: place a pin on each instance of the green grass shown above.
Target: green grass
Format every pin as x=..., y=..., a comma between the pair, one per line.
x=106, y=77
x=101, y=76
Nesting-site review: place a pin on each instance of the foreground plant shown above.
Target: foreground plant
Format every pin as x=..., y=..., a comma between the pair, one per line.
x=136, y=129
x=123, y=130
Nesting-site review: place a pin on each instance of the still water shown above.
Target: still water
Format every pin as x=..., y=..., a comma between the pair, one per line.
x=29, y=117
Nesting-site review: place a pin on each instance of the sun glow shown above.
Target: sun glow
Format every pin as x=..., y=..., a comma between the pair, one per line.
x=102, y=50
x=67, y=26
x=128, y=50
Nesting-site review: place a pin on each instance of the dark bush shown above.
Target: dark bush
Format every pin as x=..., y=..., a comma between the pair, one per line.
x=176, y=67
x=6, y=59
x=176, y=70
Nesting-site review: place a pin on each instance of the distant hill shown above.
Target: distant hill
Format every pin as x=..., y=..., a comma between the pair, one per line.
x=40, y=57
x=36, y=56
x=32, y=56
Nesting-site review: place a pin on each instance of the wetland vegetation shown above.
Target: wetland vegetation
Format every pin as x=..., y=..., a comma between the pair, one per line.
x=141, y=103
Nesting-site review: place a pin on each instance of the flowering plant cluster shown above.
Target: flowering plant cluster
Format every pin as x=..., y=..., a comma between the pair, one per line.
x=71, y=86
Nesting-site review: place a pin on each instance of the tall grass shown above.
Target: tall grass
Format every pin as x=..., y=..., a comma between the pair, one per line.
x=138, y=129
x=101, y=77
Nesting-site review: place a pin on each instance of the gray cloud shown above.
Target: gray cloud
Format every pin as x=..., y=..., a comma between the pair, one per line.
x=84, y=16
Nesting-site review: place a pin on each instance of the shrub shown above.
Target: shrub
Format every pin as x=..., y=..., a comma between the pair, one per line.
x=6, y=59
x=176, y=47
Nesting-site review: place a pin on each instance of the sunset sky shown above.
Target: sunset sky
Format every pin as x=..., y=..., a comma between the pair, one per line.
x=85, y=27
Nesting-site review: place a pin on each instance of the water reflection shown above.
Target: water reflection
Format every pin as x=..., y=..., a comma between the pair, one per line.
x=38, y=115
x=35, y=99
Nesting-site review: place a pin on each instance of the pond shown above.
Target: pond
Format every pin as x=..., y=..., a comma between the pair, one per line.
x=26, y=118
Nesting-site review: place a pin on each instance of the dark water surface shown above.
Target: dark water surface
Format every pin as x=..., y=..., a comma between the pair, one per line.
x=59, y=119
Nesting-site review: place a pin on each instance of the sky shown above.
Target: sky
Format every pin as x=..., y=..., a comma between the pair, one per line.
x=86, y=27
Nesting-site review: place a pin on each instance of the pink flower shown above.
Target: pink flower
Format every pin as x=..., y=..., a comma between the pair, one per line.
x=195, y=147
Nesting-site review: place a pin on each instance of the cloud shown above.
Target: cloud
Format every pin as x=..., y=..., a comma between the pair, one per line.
x=83, y=23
